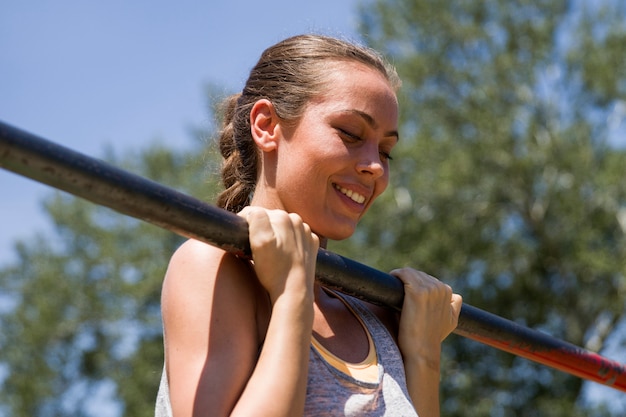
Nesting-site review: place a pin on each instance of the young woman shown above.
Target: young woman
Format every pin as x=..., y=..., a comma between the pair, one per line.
x=306, y=149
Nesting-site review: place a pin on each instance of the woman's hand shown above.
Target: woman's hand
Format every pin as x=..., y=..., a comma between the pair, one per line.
x=429, y=314
x=284, y=250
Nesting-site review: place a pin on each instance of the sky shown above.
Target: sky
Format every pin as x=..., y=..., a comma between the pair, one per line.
x=90, y=74
x=95, y=74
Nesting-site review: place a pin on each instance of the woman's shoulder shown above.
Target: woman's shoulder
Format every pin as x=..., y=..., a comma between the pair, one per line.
x=202, y=281
x=195, y=250
x=209, y=297
x=203, y=270
x=200, y=257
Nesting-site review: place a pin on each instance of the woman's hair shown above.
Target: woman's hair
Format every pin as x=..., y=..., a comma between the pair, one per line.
x=288, y=74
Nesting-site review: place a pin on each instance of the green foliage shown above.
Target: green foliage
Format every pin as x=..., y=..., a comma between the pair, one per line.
x=87, y=300
x=504, y=184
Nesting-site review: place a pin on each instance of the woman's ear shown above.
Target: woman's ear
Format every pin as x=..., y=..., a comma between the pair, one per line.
x=264, y=125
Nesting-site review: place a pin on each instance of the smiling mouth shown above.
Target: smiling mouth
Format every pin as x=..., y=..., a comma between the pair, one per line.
x=354, y=196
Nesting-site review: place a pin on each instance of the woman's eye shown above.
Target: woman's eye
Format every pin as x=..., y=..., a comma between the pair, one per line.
x=349, y=135
x=385, y=156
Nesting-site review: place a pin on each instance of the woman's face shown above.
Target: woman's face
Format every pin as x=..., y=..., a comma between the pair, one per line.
x=334, y=163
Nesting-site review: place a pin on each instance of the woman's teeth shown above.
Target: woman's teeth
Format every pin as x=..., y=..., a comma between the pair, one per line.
x=353, y=195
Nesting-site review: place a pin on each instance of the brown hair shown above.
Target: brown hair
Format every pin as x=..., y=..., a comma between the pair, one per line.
x=288, y=74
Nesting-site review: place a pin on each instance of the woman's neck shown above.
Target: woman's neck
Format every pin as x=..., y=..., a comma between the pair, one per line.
x=263, y=200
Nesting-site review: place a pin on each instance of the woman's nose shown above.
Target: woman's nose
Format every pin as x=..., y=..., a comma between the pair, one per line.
x=370, y=163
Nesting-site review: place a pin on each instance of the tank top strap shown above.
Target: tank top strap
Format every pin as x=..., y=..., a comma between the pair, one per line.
x=374, y=326
x=333, y=392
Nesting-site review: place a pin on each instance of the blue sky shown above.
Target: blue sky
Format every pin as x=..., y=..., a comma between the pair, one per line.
x=87, y=74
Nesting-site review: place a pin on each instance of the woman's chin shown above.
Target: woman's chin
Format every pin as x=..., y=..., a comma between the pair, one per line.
x=337, y=234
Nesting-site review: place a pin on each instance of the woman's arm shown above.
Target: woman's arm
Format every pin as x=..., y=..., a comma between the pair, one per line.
x=216, y=312
x=429, y=314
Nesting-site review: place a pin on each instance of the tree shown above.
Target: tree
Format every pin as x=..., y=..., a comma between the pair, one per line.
x=505, y=183
x=85, y=328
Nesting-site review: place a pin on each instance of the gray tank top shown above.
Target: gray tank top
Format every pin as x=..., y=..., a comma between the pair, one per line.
x=333, y=392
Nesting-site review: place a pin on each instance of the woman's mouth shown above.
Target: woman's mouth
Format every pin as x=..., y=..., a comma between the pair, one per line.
x=353, y=195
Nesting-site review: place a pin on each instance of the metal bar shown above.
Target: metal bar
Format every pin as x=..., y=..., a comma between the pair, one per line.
x=130, y=194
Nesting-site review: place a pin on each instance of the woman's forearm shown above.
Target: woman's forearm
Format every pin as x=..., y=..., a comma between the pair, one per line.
x=277, y=386
x=423, y=378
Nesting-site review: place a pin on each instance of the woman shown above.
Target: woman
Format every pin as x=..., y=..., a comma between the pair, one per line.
x=307, y=146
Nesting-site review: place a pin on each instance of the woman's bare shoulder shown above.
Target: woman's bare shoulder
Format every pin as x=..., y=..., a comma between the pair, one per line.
x=198, y=273
x=209, y=299
x=196, y=253
x=195, y=259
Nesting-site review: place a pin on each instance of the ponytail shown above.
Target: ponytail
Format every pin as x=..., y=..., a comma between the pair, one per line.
x=239, y=169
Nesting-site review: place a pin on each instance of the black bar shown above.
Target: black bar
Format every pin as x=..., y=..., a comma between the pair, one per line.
x=130, y=194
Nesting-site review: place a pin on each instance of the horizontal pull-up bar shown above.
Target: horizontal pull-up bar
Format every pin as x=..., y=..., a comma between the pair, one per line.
x=130, y=194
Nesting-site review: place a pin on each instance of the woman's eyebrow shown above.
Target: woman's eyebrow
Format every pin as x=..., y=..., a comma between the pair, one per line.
x=372, y=122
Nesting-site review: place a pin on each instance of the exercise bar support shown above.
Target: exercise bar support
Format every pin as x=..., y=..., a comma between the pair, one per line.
x=138, y=197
